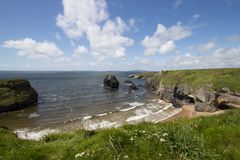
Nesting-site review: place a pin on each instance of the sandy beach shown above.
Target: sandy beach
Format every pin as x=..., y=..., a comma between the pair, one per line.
x=188, y=111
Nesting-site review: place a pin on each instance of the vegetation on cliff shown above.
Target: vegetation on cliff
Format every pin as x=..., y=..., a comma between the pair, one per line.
x=217, y=78
x=16, y=94
x=216, y=137
x=208, y=89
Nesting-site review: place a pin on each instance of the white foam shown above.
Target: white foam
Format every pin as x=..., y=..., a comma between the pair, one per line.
x=101, y=114
x=140, y=113
x=170, y=115
x=166, y=107
x=161, y=110
x=33, y=115
x=126, y=109
x=34, y=135
x=136, y=104
x=134, y=118
x=91, y=125
x=127, y=84
x=87, y=117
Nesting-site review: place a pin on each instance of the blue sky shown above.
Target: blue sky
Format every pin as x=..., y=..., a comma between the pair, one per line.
x=119, y=34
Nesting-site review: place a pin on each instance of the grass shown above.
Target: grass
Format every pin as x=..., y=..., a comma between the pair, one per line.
x=216, y=78
x=215, y=137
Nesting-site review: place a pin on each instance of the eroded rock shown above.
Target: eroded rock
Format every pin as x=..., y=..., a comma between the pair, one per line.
x=16, y=94
x=111, y=81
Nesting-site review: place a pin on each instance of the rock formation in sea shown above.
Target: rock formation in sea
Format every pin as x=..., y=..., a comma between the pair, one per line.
x=16, y=94
x=132, y=86
x=111, y=81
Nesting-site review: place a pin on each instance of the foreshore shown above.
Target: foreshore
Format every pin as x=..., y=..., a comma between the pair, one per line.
x=188, y=111
x=185, y=112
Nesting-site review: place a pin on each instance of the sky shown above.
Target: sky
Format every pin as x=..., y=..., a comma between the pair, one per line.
x=75, y=35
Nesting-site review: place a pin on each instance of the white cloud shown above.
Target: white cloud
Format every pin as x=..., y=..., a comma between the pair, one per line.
x=196, y=16
x=177, y=3
x=222, y=57
x=79, y=51
x=207, y=46
x=184, y=61
x=34, y=50
x=163, y=40
x=90, y=19
x=233, y=38
x=78, y=15
x=167, y=47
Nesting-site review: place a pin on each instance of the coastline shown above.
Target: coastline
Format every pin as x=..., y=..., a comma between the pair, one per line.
x=185, y=112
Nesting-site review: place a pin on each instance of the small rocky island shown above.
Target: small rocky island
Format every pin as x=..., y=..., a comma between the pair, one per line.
x=111, y=81
x=16, y=94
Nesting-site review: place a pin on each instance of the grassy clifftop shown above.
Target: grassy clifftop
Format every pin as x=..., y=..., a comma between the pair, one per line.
x=216, y=137
x=217, y=78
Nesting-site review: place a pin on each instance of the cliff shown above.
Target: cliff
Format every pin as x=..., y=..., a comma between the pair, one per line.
x=208, y=89
x=16, y=94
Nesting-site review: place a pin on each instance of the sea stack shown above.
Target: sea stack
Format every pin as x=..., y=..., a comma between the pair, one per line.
x=16, y=94
x=111, y=81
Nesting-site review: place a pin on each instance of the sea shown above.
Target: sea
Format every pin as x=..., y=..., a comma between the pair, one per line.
x=70, y=100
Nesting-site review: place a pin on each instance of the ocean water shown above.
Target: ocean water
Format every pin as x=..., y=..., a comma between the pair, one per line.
x=79, y=100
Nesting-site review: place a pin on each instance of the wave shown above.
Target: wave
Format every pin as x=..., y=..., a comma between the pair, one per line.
x=34, y=135
x=33, y=115
x=134, y=118
x=102, y=114
x=87, y=117
x=136, y=104
x=126, y=109
x=91, y=125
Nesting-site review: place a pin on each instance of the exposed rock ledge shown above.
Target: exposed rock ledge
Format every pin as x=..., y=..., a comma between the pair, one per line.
x=208, y=90
x=16, y=94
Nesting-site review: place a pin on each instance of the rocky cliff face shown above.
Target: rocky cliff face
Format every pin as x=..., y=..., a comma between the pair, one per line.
x=16, y=94
x=205, y=97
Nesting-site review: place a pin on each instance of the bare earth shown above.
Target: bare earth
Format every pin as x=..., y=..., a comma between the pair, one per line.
x=189, y=112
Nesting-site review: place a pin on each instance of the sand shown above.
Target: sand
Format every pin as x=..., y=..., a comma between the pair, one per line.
x=188, y=111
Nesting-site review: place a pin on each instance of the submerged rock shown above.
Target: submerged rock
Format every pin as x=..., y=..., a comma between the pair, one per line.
x=132, y=87
x=128, y=81
x=111, y=81
x=16, y=94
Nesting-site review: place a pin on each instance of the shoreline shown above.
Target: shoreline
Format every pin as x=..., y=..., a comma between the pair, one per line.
x=185, y=112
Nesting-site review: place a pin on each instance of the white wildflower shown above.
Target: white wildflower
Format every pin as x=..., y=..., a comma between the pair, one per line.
x=126, y=156
x=79, y=154
x=165, y=134
x=162, y=140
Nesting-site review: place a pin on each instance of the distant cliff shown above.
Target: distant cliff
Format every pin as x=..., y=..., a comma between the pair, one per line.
x=16, y=94
x=208, y=89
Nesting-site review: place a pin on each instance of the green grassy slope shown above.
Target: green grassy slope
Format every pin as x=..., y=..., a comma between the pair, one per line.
x=218, y=78
x=216, y=137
